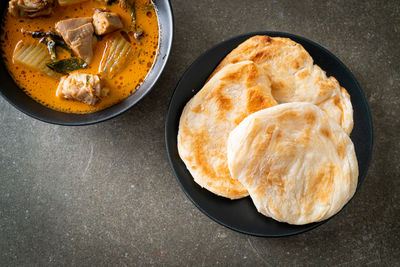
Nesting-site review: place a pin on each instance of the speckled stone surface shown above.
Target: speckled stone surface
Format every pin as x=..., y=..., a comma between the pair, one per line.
x=105, y=194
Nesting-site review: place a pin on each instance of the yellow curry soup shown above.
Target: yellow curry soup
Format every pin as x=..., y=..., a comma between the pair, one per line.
x=42, y=88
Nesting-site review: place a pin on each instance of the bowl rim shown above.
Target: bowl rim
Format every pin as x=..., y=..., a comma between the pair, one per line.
x=118, y=108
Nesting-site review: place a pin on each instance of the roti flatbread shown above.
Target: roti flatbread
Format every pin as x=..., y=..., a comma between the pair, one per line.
x=297, y=164
x=294, y=77
x=236, y=91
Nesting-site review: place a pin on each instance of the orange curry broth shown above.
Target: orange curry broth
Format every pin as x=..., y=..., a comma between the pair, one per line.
x=43, y=88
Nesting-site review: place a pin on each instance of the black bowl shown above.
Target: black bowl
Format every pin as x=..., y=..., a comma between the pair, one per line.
x=17, y=97
x=241, y=215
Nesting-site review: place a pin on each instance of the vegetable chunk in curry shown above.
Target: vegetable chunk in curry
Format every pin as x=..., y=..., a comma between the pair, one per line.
x=80, y=56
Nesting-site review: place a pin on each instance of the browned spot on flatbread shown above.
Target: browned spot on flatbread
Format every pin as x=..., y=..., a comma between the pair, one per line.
x=338, y=103
x=325, y=132
x=223, y=171
x=262, y=56
x=270, y=130
x=274, y=179
x=326, y=86
x=249, y=72
x=197, y=109
x=320, y=186
x=185, y=132
x=305, y=137
x=324, y=183
x=200, y=140
x=224, y=103
x=262, y=142
x=303, y=74
x=233, y=76
x=341, y=149
x=288, y=115
x=261, y=39
x=294, y=63
x=310, y=118
x=240, y=118
x=277, y=86
x=256, y=100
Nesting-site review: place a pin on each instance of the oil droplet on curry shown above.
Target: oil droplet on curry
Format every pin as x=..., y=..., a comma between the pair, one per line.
x=131, y=36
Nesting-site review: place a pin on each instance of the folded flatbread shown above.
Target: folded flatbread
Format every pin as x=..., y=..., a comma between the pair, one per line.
x=297, y=164
x=294, y=77
x=236, y=91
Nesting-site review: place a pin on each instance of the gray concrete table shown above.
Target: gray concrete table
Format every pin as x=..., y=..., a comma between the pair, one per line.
x=105, y=194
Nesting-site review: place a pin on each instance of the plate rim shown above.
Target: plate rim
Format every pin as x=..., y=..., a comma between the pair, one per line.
x=168, y=122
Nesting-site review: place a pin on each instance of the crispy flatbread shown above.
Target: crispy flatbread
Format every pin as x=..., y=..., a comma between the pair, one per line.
x=294, y=77
x=236, y=91
x=298, y=165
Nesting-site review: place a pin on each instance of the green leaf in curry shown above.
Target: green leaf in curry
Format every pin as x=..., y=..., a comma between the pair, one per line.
x=59, y=41
x=138, y=33
x=133, y=15
x=65, y=66
x=64, y=46
x=126, y=36
x=40, y=34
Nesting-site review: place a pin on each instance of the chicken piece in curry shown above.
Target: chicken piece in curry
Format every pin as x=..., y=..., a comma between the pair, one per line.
x=80, y=56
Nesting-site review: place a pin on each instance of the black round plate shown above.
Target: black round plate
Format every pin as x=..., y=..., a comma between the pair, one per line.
x=241, y=215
